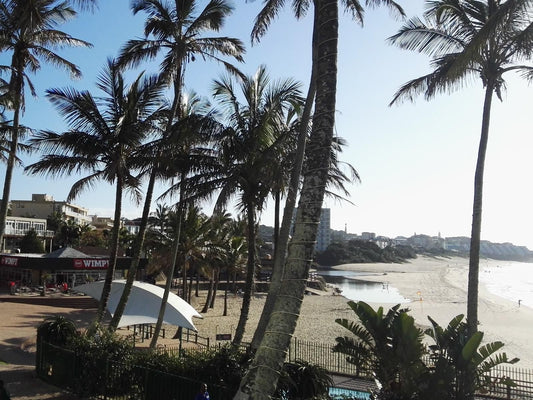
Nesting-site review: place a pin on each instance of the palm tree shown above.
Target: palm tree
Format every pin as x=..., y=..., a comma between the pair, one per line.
x=389, y=344
x=28, y=29
x=468, y=39
x=259, y=383
x=192, y=162
x=262, y=23
x=254, y=138
x=177, y=31
x=460, y=365
x=104, y=134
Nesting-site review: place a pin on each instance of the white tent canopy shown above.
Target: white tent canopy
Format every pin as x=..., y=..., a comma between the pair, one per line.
x=143, y=304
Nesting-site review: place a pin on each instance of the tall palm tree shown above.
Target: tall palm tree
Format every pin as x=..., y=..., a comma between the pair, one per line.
x=269, y=12
x=465, y=39
x=260, y=381
x=173, y=28
x=28, y=30
x=192, y=163
x=104, y=134
x=247, y=148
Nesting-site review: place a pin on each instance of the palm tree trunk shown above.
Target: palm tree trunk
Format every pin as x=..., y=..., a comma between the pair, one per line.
x=250, y=274
x=170, y=277
x=262, y=377
x=281, y=244
x=137, y=249
x=215, y=288
x=277, y=202
x=475, y=238
x=184, y=280
x=113, y=253
x=209, y=294
x=4, y=204
x=197, y=288
x=225, y=313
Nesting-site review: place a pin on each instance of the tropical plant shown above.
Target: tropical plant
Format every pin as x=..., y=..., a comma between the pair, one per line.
x=56, y=330
x=465, y=39
x=104, y=134
x=174, y=28
x=302, y=380
x=30, y=243
x=259, y=383
x=192, y=162
x=28, y=29
x=390, y=345
x=456, y=357
x=254, y=137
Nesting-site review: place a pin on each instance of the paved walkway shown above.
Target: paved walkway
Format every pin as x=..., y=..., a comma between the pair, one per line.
x=20, y=316
x=18, y=322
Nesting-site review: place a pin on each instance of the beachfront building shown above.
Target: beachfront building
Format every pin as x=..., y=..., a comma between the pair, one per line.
x=44, y=205
x=32, y=272
x=18, y=227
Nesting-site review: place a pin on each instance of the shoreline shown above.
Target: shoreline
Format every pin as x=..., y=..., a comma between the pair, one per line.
x=437, y=287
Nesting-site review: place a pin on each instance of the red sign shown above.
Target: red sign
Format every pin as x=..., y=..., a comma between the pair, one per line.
x=91, y=263
x=10, y=261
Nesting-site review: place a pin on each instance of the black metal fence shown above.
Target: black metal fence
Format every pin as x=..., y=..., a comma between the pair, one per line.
x=61, y=368
x=321, y=354
x=522, y=379
x=115, y=380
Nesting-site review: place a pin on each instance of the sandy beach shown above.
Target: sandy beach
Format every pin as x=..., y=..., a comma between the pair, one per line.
x=439, y=284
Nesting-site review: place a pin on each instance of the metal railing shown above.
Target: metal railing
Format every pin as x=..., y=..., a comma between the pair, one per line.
x=115, y=380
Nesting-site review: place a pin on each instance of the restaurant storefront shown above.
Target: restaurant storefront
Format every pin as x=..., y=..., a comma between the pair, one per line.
x=73, y=268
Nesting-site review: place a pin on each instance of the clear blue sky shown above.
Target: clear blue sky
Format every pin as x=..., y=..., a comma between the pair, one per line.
x=416, y=161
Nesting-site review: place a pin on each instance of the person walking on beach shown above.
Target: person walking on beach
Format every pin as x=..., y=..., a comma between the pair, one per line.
x=4, y=394
x=203, y=394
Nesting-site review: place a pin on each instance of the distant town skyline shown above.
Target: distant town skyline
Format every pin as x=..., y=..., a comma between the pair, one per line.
x=416, y=161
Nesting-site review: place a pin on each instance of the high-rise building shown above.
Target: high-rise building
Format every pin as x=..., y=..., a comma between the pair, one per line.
x=323, y=237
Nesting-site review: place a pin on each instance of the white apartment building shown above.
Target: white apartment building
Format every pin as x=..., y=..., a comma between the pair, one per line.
x=17, y=227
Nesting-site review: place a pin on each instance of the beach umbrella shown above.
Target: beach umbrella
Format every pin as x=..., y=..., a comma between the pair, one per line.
x=143, y=304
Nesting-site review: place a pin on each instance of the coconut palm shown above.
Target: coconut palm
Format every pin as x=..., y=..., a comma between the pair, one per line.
x=173, y=28
x=193, y=164
x=254, y=137
x=466, y=39
x=28, y=30
x=269, y=12
x=181, y=145
x=104, y=134
x=260, y=382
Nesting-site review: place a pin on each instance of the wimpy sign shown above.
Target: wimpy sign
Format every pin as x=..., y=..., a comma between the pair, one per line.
x=10, y=261
x=91, y=263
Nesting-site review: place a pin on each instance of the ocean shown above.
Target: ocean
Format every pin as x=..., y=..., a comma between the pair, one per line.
x=510, y=280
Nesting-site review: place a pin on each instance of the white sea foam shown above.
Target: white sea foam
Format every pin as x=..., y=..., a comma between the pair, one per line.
x=510, y=280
